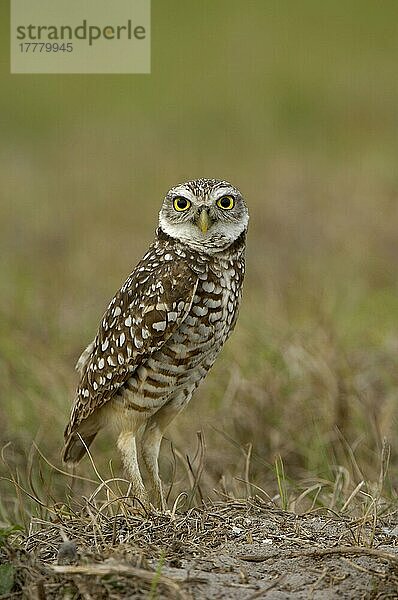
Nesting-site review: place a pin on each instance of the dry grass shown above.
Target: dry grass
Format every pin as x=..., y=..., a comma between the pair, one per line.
x=121, y=551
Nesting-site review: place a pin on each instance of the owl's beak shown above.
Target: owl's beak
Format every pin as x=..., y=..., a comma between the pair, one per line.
x=204, y=221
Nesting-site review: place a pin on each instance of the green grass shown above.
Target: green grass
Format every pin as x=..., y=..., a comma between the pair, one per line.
x=296, y=103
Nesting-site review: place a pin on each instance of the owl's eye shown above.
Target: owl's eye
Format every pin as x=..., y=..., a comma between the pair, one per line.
x=226, y=202
x=181, y=203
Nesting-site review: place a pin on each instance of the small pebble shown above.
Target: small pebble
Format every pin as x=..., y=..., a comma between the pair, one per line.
x=67, y=553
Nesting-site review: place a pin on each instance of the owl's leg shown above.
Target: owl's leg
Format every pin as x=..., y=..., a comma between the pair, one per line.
x=150, y=446
x=127, y=446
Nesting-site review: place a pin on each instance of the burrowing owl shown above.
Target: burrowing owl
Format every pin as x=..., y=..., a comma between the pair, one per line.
x=162, y=331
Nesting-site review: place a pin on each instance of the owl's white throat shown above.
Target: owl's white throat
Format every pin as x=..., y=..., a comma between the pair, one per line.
x=218, y=237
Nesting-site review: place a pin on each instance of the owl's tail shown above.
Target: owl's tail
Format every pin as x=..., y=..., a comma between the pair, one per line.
x=76, y=446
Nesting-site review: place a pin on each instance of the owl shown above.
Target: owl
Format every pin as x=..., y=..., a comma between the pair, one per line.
x=163, y=330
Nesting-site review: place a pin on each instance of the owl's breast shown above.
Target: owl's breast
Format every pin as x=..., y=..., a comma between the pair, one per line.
x=191, y=350
x=186, y=357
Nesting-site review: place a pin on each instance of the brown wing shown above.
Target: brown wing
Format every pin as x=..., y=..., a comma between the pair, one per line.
x=144, y=313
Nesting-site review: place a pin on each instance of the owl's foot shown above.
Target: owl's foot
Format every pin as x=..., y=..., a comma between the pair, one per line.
x=157, y=497
x=139, y=493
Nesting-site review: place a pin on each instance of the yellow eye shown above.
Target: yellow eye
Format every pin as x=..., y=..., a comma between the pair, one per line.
x=226, y=202
x=180, y=203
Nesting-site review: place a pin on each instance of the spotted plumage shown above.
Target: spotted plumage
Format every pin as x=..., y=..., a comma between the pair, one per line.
x=163, y=329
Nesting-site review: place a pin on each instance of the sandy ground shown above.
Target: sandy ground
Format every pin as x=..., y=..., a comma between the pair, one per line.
x=241, y=550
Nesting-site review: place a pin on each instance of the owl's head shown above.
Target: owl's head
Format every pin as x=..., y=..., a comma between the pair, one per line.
x=206, y=214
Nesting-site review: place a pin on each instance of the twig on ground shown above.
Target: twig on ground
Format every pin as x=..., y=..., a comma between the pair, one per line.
x=359, y=551
x=110, y=567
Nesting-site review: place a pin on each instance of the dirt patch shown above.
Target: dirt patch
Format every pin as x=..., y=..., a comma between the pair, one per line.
x=229, y=550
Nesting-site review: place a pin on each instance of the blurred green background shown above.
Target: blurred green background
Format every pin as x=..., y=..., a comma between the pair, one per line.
x=297, y=104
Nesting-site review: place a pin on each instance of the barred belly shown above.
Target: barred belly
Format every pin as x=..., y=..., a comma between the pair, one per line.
x=184, y=360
